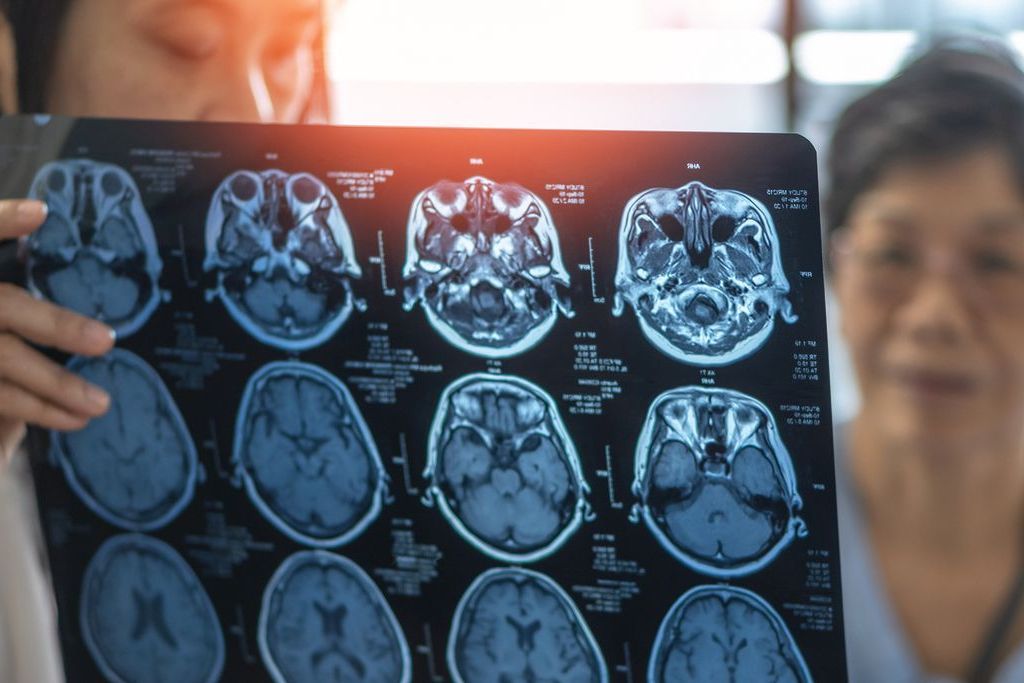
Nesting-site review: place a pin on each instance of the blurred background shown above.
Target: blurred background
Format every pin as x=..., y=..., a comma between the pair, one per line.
x=733, y=65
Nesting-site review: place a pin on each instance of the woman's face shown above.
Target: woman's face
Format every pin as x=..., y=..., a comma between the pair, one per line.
x=929, y=273
x=234, y=60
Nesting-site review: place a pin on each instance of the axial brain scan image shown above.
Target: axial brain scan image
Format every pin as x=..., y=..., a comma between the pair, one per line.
x=518, y=625
x=702, y=270
x=728, y=635
x=483, y=259
x=96, y=253
x=136, y=466
x=715, y=482
x=283, y=255
x=503, y=469
x=145, y=617
x=306, y=456
x=323, y=619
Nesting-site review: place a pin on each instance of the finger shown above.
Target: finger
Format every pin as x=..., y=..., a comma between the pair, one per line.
x=26, y=407
x=50, y=325
x=20, y=217
x=37, y=374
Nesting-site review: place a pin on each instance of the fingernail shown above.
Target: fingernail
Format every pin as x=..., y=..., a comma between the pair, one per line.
x=99, y=333
x=32, y=210
x=97, y=397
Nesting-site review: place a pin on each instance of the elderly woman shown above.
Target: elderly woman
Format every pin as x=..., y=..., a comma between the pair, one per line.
x=235, y=60
x=927, y=236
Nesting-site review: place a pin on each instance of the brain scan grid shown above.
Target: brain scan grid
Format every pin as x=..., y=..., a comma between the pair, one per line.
x=136, y=466
x=283, y=256
x=323, y=619
x=715, y=482
x=96, y=252
x=431, y=405
x=503, y=469
x=306, y=456
x=519, y=625
x=701, y=269
x=726, y=634
x=484, y=260
x=145, y=616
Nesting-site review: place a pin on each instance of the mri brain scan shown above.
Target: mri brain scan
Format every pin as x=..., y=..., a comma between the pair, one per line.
x=136, y=466
x=503, y=469
x=483, y=259
x=715, y=482
x=283, y=256
x=306, y=456
x=324, y=620
x=701, y=269
x=724, y=634
x=146, y=618
x=96, y=252
x=518, y=625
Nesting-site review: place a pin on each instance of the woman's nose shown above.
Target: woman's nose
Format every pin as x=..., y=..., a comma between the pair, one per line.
x=937, y=310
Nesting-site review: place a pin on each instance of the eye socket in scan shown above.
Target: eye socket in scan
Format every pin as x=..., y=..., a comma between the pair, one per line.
x=701, y=269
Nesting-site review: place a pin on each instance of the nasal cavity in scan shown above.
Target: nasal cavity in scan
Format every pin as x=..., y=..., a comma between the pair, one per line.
x=323, y=619
x=306, y=455
x=136, y=466
x=519, y=625
x=145, y=616
x=96, y=253
x=503, y=470
x=283, y=257
x=727, y=634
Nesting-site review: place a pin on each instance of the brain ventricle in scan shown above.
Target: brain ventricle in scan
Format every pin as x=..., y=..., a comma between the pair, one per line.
x=283, y=256
x=483, y=258
x=518, y=625
x=136, y=466
x=145, y=616
x=727, y=635
x=701, y=268
x=323, y=619
x=503, y=469
x=306, y=455
x=96, y=253
x=715, y=482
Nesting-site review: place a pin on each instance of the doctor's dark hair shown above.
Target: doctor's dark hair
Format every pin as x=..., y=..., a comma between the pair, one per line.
x=960, y=95
x=36, y=26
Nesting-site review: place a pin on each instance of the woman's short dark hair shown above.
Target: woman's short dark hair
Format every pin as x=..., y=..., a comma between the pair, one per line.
x=960, y=95
x=36, y=25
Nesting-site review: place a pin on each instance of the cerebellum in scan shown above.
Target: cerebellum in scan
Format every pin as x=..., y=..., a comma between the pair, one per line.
x=283, y=257
x=513, y=624
x=727, y=635
x=483, y=260
x=135, y=466
x=503, y=469
x=145, y=617
x=702, y=270
x=323, y=619
x=715, y=482
x=306, y=455
x=96, y=253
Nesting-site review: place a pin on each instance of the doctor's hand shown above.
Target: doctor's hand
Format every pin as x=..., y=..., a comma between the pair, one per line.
x=33, y=388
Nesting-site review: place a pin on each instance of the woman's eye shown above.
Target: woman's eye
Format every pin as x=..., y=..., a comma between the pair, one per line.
x=193, y=37
x=995, y=262
x=890, y=255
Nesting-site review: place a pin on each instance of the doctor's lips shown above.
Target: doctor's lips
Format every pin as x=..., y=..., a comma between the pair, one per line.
x=933, y=382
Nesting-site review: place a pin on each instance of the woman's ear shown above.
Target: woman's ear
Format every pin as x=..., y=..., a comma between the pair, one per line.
x=8, y=68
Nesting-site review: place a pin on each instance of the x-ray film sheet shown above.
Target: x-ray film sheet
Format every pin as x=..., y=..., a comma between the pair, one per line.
x=401, y=405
